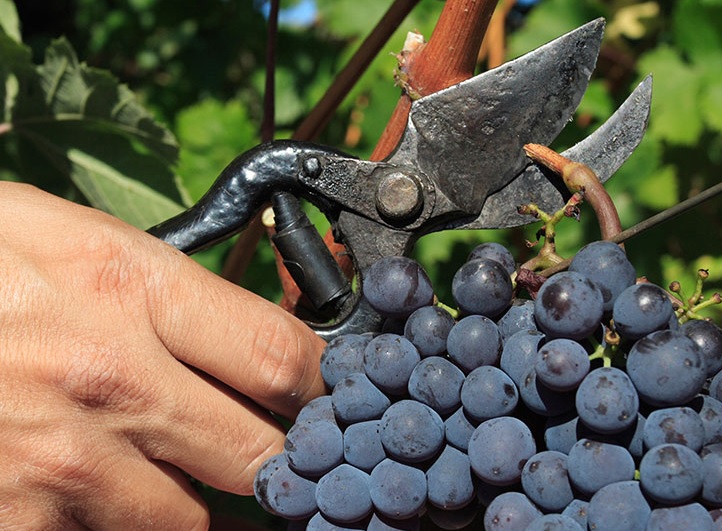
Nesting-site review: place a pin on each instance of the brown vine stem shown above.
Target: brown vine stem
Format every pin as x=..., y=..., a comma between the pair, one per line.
x=448, y=58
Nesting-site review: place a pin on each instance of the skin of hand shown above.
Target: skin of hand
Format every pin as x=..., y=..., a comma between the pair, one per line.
x=124, y=367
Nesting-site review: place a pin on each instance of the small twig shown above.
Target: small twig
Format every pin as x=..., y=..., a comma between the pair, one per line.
x=651, y=222
x=579, y=177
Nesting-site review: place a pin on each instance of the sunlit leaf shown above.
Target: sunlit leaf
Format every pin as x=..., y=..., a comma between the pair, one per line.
x=9, y=22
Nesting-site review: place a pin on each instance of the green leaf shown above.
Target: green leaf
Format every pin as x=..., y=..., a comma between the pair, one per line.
x=658, y=190
x=78, y=124
x=698, y=29
x=211, y=134
x=675, y=115
x=9, y=21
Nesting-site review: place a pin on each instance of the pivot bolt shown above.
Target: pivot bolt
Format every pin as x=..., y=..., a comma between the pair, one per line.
x=399, y=196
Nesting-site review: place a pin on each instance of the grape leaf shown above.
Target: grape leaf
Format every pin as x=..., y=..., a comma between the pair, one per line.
x=675, y=115
x=9, y=21
x=69, y=115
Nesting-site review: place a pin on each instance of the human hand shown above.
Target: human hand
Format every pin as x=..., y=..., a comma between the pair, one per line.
x=124, y=364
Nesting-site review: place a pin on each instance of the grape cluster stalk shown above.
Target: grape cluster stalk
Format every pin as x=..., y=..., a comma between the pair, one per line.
x=595, y=405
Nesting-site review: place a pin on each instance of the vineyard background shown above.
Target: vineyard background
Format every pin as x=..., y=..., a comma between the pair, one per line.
x=198, y=70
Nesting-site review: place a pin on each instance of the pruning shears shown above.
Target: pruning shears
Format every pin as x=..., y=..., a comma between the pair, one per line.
x=459, y=165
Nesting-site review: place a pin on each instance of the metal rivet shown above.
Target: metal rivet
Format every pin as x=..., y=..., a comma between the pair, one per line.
x=311, y=167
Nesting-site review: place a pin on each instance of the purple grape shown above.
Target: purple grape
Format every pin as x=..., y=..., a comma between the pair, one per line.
x=545, y=481
x=499, y=448
x=436, y=382
x=520, y=353
x=607, y=265
x=280, y=491
x=427, y=328
x=388, y=361
x=667, y=368
x=411, y=432
x=313, y=448
x=671, y=473
x=342, y=356
x=510, y=511
x=449, y=479
x=712, y=468
x=708, y=337
x=487, y=393
x=494, y=251
x=458, y=428
x=680, y=425
x=640, y=310
x=474, y=341
x=618, y=506
x=569, y=305
x=562, y=364
x=482, y=287
x=554, y=522
x=690, y=516
x=395, y=286
x=362, y=446
x=343, y=494
x=591, y=465
x=607, y=401
x=519, y=316
x=397, y=490
x=356, y=398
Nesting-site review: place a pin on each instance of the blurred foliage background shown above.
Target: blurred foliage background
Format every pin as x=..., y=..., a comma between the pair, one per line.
x=195, y=74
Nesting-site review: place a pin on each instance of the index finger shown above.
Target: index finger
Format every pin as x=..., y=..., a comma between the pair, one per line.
x=234, y=335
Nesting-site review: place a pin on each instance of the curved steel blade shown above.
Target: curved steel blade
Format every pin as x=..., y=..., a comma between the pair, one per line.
x=604, y=151
x=468, y=138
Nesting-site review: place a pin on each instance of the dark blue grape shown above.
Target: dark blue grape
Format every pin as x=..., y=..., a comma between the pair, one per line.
x=690, y=516
x=395, y=286
x=474, y=341
x=667, y=368
x=554, y=522
x=519, y=354
x=499, y=448
x=427, y=328
x=362, y=446
x=542, y=400
x=632, y=438
x=320, y=408
x=712, y=468
x=560, y=432
x=397, y=490
x=591, y=465
x=509, y=512
x=449, y=479
x=482, y=287
x=715, y=386
x=494, y=251
x=458, y=429
x=356, y=398
x=709, y=410
x=280, y=491
x=388, y=362
x=607, y=265
x=671, y=473
x=562, y=364
x=545, y=481
x=618, y=506
x=436, y=382
x=488, y=392
x=577, y=509
x=607, y=401
x=342, y=356
x=568, y=305
x=640, y=310
x=519, y=316
x=342, y=494
x=313, y=448
x=708, y=337
x=680, y=425
x=411, y=432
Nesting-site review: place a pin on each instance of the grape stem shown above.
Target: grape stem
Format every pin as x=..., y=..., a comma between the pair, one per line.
x=579, y=177
x=689, y=308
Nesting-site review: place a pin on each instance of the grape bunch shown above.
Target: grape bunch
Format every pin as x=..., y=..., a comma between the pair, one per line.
x=594, y=405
